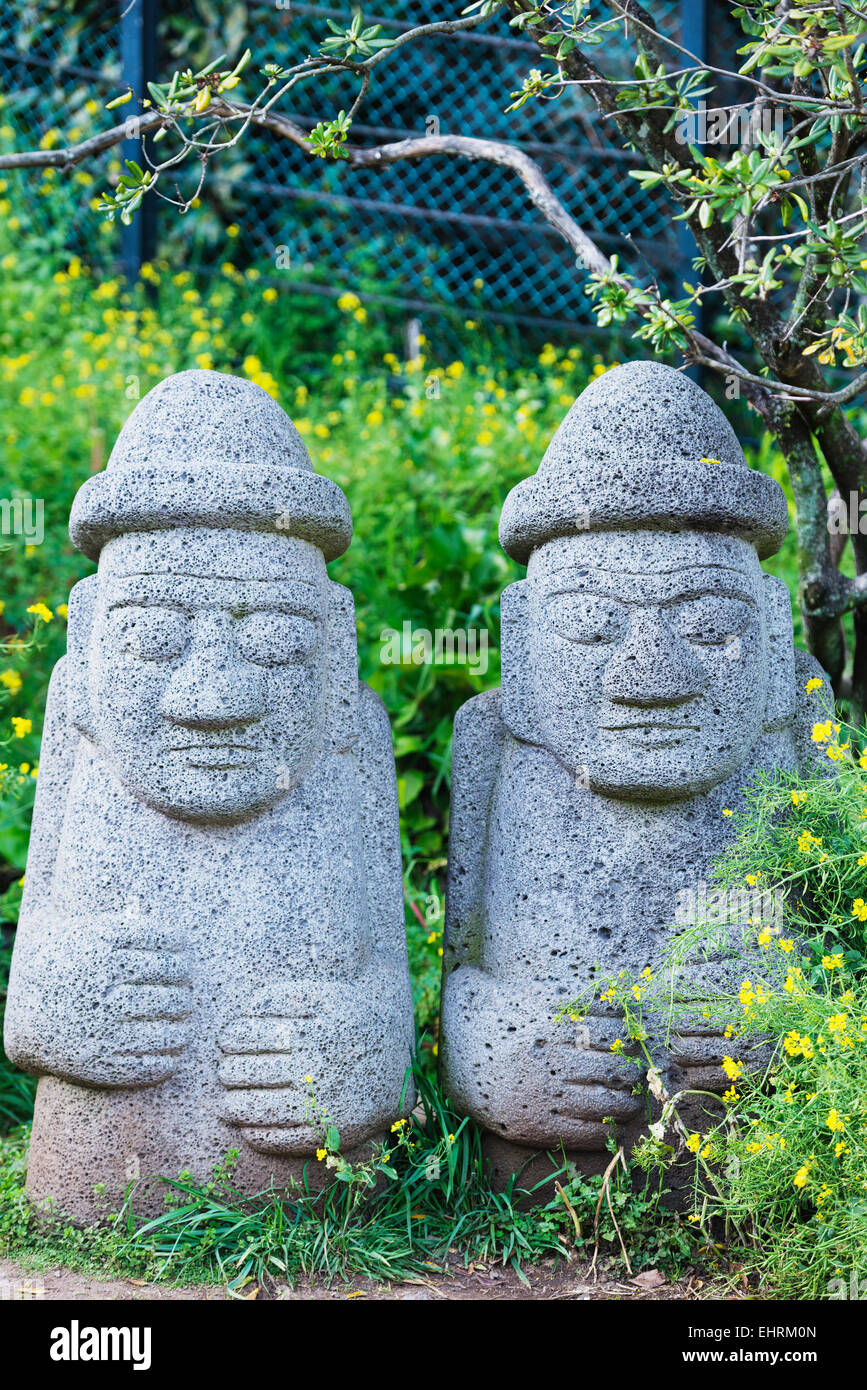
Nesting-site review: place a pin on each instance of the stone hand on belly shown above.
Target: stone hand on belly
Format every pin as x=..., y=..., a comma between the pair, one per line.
x=117, y=1002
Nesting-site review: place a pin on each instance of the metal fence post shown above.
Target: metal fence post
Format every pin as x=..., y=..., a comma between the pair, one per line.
x=138, y=57
x=693, y=35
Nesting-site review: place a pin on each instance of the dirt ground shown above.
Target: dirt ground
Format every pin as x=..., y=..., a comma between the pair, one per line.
x=550, y=1281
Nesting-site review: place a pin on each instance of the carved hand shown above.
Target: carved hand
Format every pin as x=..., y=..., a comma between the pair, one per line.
x=541, y=1082
x=334, y=1033
x=698, y=1045
x=100, y=1004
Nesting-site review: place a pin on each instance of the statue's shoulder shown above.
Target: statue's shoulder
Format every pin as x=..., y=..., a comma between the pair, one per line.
x=479, y=733
x=480, y=721
x=477, y=745
x=374, y=727
x=371, y=710
x=807, y=668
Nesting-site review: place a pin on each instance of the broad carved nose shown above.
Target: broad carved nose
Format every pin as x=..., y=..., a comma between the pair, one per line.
x=653, y=666
x=212, y=689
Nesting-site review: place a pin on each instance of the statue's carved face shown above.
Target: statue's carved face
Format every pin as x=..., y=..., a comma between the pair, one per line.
x=648, y=658
x=207, y=668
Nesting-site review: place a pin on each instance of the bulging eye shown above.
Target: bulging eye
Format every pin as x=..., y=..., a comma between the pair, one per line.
x=149, y=633
x=275, y=639
x=583, y=617
x=711, y=620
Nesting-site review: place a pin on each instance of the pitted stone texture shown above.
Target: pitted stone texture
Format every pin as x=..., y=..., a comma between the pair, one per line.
x=213, y=900
x=648, y=673
x=644, y=448
x=206, y=449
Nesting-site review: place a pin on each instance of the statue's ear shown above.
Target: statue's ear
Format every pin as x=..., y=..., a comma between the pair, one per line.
x=780, y=698
x=82, y=606
x=518, y=705
x=342, y=728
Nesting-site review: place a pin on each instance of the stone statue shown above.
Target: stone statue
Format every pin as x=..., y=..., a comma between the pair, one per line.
x=648, y=672
x=212, y=910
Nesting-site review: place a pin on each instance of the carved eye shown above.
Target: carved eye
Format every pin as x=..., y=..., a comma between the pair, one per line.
x=583, y=617
x=149, y=633
x=275, y=639
x=712, y=620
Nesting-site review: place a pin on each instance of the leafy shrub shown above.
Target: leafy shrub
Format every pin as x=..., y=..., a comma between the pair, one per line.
x=784, y=1169
x=422, y=1201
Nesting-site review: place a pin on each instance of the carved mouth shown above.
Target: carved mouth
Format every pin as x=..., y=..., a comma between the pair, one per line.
x=217, y=756
x=651, y=734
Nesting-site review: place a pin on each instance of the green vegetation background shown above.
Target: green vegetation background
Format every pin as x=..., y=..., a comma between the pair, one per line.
x=425, y=450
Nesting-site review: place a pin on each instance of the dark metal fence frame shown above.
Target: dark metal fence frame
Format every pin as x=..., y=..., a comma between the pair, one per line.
x=138, y=22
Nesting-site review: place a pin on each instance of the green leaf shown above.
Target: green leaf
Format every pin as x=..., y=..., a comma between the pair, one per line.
x=408, y=788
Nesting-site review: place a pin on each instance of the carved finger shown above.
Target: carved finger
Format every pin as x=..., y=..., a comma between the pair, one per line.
x=254, y=1035
x=296, y=1002
x=264, y=1107
x=262, y=1070
x=140, y=935
x=151, y=1002
x=137, y=967
x=606, y=1069
x=707, y=1079
x=592, y=1031
x=296, y=1140
x=147, y=1037
x=141, y=1069
x=690, y=1050
x=599, y=1103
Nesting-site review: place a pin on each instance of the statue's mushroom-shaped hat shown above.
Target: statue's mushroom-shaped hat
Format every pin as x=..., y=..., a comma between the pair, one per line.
x=643, y=447
x=207, y=449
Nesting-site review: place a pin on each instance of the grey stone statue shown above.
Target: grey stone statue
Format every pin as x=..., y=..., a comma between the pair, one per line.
x=213, y=902
x=648, y=670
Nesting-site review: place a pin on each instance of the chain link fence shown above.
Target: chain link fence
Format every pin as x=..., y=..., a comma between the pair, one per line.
x=442, y=238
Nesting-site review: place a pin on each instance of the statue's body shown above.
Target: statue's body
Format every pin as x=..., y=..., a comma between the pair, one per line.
x=648, y=672
x=213, y=898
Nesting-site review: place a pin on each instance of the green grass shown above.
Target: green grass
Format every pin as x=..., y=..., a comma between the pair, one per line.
x=426, y=452
x=419, y=1205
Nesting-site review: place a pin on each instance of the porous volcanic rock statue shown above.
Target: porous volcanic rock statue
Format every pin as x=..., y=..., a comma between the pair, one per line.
x=213, y=901
x=648, y=670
